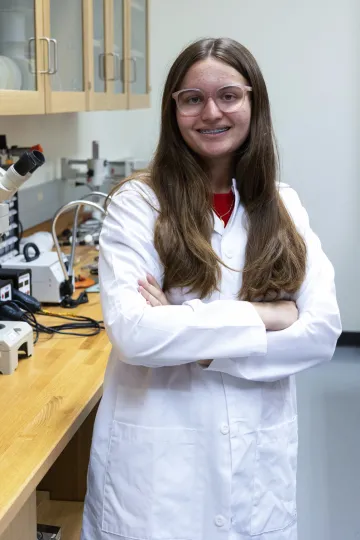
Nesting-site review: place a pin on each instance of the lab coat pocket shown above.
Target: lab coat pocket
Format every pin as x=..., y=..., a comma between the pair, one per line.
x=150, y=483
x=274, y=503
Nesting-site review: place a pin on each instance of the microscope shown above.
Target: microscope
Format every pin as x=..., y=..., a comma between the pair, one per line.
x=15, y=336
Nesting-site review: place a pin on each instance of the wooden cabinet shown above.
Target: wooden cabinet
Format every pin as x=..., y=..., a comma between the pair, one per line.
x=22, y=47
x=118, y=53
x=73, y=55
x=139, y=54
x=65, y=79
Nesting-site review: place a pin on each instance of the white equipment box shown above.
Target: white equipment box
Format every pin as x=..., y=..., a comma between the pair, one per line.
x=47, y=275
x=15, y=337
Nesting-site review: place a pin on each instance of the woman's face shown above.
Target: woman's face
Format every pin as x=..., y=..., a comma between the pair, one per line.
x=213, y=133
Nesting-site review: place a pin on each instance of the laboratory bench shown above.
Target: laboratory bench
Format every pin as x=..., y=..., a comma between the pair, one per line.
x=48, y=406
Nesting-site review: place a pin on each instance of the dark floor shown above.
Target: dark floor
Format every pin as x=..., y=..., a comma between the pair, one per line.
x=329, y=449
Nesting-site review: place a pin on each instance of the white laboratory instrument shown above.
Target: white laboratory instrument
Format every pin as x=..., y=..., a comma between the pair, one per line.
x=12, y=178
x=94, y=172
x=15, y=336
x=52, y=282
x=47, y=275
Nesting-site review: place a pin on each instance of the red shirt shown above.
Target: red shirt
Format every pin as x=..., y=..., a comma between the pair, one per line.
x=223, y=204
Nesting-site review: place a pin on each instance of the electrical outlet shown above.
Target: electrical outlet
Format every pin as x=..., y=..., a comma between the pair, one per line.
x=40, y=196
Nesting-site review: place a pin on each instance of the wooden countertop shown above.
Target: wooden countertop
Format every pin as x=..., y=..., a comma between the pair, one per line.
x=45, y=402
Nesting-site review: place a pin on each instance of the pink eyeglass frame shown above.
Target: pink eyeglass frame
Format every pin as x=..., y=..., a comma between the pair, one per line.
x=208, y=95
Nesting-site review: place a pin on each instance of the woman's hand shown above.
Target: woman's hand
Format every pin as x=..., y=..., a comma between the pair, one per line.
x=152, y=292
x=277, y=315
x=205, y=363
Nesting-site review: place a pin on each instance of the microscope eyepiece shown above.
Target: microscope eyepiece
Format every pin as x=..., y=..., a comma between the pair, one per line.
x=28, y=162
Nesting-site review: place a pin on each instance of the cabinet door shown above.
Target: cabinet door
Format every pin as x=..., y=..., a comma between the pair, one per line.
x=22, y=48
x=65, y=24
x=139, y=54
x=117, y=69
x=96, y=13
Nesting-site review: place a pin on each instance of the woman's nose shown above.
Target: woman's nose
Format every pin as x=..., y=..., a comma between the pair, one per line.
x=211, y=111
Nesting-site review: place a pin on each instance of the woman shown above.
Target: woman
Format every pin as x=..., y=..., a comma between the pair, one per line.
x=211, y=274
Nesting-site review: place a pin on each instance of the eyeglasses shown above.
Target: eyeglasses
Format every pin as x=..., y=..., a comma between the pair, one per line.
x=229, y=99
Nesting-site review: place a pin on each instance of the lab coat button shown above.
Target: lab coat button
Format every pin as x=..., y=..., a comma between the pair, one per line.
x=225, y=429
x=229, y=253
x=219, y=521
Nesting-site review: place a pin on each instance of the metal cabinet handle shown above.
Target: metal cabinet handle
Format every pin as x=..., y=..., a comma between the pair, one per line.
x=33, y=40
x=133, y=60
x=117, y=66
x=55, y=66
x=102, y=68
x=122, y=70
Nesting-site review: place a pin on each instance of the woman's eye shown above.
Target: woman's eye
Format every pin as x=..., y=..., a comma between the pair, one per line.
x=195, y=100
x=228, y=97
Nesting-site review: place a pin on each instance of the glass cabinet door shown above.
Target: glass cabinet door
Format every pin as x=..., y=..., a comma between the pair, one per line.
x=118, y=46
x=66, y=36
x=115, y=61
x=99, y=46
x=18, y=64
x=138, y=52
x=65, y=83
x=95, y=48
x=22, y=48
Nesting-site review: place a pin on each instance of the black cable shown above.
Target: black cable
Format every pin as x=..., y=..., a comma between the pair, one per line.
x=62, y=329
x=69, y=329
x=23, y=313
x=30, y=318
x=67, y=317
x=82, y=322
x=21, y=230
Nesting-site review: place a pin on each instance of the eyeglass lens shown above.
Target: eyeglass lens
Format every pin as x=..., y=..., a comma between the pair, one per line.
x=228, y=99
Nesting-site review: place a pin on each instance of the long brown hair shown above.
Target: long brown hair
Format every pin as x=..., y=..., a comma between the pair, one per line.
x=275, y=254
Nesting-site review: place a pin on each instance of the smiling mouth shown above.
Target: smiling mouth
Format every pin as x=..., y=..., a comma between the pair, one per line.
x=213, y=131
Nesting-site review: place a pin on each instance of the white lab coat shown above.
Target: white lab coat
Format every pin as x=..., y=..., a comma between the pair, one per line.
x=182, y=452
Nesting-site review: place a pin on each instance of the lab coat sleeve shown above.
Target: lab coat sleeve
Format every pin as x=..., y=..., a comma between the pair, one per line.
x=166, y=335
x=312, y=338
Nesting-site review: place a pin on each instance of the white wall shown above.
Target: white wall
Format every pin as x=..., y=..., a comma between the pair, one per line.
x=309, y=53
